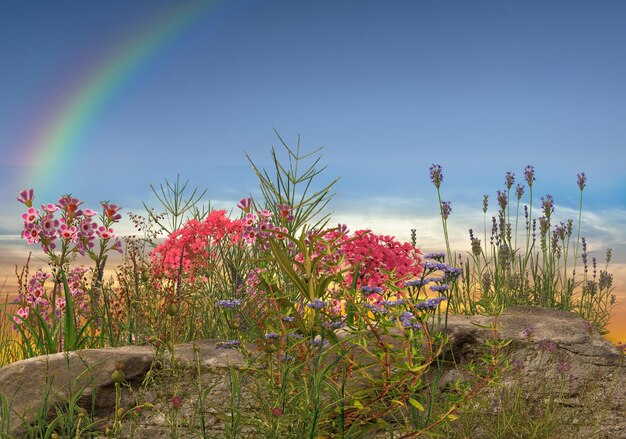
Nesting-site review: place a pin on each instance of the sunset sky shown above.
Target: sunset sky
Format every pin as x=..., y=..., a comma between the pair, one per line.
x=103, y=98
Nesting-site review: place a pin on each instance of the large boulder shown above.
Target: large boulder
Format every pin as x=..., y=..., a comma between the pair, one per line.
x=545, y=345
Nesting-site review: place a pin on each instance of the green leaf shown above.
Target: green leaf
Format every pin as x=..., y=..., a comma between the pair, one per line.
x=285, y=265
x=415, y=403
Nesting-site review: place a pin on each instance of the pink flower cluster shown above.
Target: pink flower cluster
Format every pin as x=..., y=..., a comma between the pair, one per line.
x=38, y=297
x=190, y=245
x=379, y=254
x=259, y=227
x=76, y=229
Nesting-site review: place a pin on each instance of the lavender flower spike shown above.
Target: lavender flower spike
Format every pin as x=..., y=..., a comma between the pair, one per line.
x=436, y=175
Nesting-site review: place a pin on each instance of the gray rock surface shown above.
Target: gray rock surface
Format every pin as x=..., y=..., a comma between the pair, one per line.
x=545, y=344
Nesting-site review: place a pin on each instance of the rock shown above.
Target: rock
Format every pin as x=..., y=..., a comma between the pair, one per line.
x=546, y=345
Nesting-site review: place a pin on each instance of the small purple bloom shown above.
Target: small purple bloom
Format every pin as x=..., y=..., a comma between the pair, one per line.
x=436, y=256
x=431, y=304
x=439, y=288
x=366, y=289
x=519, y=191
x=229, y=303
x=232, y=344
x=416, y=283
x=288, y=319
x=271, y=336
x=317, y=304
x=407, y=319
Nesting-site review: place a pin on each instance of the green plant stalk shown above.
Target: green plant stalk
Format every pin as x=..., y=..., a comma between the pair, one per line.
x=445, y=229
x=580, y=214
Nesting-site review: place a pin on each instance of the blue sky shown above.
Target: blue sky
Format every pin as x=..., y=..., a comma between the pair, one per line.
x=388, y=88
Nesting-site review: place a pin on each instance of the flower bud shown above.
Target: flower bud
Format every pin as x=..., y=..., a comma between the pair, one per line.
x=118, y=376
x=172, y=309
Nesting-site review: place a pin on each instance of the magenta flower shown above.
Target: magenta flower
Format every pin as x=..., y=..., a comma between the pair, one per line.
x=26, y=197
x=110, y=212
x=30, y=215
x=70, y=205
x=245, y=204
x=117, y=246
x=285, y=211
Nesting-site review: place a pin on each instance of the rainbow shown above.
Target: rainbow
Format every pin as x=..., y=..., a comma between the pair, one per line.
x=65, y=124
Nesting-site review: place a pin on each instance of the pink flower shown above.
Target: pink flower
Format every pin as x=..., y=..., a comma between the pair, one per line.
x=250, y=220
x=87, y=227
x=68, y=233
x=70, y=205
x=285, y=212
x=89, y=213
x=49, y=208
x=30, y=216
x=31, y=233
x=110, y=212
x=105, y=233
x=245, y=204
x=23, y=312
x=177, y=402
x=26, y=197
x=117, y=246
x=49, y=225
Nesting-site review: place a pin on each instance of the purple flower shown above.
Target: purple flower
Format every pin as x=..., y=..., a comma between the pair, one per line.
x=502, y=199
x=439, y=288
x=271, y=336
x=229, y=303
x=509, y=179
x=529, y=332
x=547, y=205
x=288, y=319
x=436, y=175
x=317, y=304
x=431, y=304
x=582, y=181
x=529, y=175
x=446, y=209
x=407, y=319
x=232, y=344
x=435, y=256
x=416, y=283
x=519, y=191
x=392, y=303
x=366, y=289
